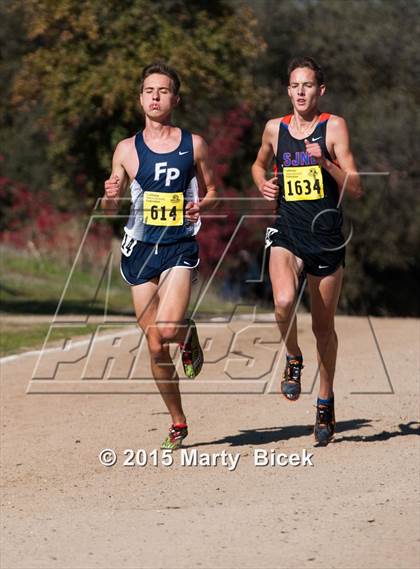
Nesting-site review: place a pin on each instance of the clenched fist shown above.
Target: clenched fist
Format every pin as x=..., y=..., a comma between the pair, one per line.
x=315, y=151
x=192, y=211
x=112, y=187
x=270, y=189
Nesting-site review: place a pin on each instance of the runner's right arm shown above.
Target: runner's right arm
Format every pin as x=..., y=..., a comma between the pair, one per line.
x=268, y=188
x=117, y=183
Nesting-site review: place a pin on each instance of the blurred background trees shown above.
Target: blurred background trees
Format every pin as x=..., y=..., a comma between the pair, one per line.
x=69, y=75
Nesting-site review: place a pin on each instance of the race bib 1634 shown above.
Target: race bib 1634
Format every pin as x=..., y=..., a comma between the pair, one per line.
x=303, y=183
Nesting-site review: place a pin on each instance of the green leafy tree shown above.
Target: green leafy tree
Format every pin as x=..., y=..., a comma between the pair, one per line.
x=85, y=63
x=22, y=142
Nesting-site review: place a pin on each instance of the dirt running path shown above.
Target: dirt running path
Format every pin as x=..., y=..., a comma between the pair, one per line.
x=357, y=507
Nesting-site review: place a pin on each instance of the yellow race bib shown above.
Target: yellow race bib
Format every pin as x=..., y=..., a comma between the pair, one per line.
x=161, y=208
x=303, y=183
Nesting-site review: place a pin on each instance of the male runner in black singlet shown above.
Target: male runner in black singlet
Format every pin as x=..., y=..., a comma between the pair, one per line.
x=166, y=166
x=313, y=166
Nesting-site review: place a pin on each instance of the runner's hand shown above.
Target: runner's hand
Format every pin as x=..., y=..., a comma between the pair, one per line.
x=314, y=150
x=112, y=187
x=270, y=189
x=192, y=211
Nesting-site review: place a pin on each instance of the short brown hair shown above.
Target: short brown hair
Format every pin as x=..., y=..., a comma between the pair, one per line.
x=163, y=69
x=306, y=61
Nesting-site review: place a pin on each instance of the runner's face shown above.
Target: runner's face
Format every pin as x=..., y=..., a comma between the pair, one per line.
x=157, y=98
x=304, y=90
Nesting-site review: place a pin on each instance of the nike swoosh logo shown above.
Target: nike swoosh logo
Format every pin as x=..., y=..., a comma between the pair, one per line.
x=185, y=152
x=322, y=266
x=315, y=139
x=187, y=263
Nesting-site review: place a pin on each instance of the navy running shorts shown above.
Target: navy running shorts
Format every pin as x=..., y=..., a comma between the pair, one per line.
x=142, y=262
x=317, y=260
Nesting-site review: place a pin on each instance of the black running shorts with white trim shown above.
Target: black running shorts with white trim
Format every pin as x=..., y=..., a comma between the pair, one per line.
x=317, y=261
x=142, y=262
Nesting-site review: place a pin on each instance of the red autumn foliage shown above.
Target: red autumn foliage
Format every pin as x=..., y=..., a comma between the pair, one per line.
x=29, y=219
x=226, y=134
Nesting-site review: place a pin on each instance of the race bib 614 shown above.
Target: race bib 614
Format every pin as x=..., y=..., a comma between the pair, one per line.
x=163, y=208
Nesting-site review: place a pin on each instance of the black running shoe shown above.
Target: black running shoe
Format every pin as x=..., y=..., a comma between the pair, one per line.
x=325, y=423
x=290, y=386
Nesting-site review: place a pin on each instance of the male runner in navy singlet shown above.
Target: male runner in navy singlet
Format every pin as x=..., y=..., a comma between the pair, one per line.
x=313, y=167
x=165, y=166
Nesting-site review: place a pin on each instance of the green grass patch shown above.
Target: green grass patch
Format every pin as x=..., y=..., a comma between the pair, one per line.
x=30, y=285
x=34, y=285
x=17, y=337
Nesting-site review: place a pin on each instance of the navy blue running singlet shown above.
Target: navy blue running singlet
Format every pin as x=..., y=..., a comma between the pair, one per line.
x=164, y=184
x=308, y=207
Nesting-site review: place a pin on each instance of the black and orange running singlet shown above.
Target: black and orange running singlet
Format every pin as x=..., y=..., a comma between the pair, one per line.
x=308, y=203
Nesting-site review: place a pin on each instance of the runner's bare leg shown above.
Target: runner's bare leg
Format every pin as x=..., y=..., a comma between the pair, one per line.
x=284, y=274
x=325, y=292
x=157, y=315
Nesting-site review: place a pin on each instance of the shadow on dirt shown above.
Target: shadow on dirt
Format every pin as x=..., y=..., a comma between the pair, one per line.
x=404, y=430
x=276, y=434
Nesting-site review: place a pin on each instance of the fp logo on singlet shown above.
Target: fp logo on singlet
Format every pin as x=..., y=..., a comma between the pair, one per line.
x=171, y=173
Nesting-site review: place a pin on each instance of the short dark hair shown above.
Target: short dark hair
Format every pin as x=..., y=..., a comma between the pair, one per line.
x=163, y=69
x=306, y=61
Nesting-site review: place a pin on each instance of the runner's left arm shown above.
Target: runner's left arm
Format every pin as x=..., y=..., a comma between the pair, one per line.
x=344, y=171
x=206, y=180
